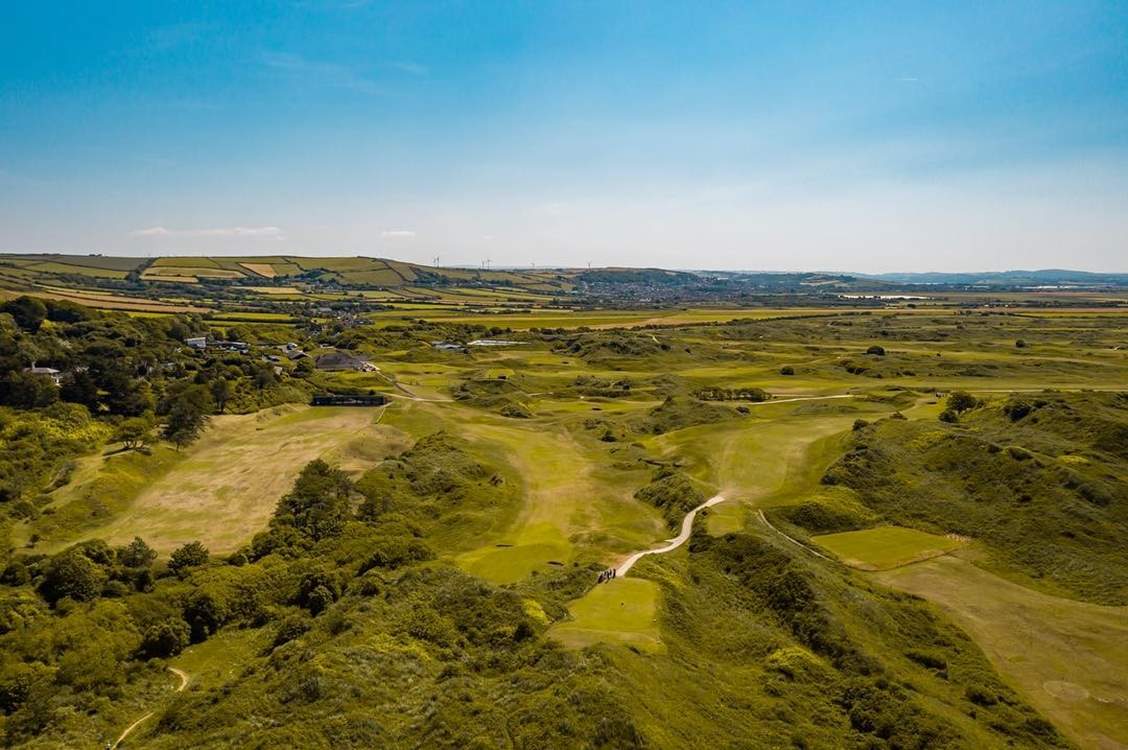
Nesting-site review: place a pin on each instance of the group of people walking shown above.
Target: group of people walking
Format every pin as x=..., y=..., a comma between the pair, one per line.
x=607, y=575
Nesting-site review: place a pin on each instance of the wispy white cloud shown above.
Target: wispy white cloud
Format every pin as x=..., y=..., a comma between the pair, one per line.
x=397, y=234
x=320, y=72
x=406, y=66
x=907, y=79
x=264, y=232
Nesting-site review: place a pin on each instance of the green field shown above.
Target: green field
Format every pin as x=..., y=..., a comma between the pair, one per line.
x=458, y=555
x=622, y=612
x=885, y=547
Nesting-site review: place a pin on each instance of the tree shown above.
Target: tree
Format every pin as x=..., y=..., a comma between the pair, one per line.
x=135, y=432
x=136, y=554
x=318, y=505
x=189, y=556
x=27, y=390
x=28, y=312
x=164, y=639
x=304, y=368
x=130, y=397
x=205, y=613
x=264, y=377
x=222, y=390
x=74, y=575
x=79, y=387
x=187, y=415
x=961, y=401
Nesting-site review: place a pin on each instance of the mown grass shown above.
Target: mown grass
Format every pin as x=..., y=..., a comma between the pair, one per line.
x=1066, y=657
x=885, y=547
x=621, y=611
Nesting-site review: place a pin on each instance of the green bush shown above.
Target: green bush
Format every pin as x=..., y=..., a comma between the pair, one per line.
x=961, y=401
x=72, y=574
x=191, y=555
x=166, y=638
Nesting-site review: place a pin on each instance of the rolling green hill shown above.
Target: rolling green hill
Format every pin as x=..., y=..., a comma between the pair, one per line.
x=346, y=271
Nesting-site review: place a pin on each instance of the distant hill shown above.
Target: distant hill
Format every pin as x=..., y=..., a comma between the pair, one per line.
x=1045, y=277
x=191, y=275
x=259, y=270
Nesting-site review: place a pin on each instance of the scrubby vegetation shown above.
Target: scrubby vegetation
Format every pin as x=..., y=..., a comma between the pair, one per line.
x=408, y=588
x=1041, y=482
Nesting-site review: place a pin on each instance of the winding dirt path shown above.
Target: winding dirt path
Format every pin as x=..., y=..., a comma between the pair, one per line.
x=184, y=678
x=671, y=544
x=796, y=542
x=799, y=398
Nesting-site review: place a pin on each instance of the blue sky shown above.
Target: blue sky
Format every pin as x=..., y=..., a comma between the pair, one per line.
x=785, y=135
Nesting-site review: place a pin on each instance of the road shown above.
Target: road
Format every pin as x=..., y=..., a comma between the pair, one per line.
x=129, y=729
x=671, y=544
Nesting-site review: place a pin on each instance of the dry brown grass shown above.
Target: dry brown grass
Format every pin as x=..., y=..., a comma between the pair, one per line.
x=225, y=488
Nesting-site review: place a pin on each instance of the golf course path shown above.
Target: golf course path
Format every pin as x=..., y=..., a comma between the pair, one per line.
x=799, y=398
x=129, y=729
x=671, y=544
x=796, y=542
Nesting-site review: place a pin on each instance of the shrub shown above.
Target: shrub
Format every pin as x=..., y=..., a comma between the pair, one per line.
x=72, y=574
x=164, y=639
x=787, y=370
x=820, y=518
x=394, y=552
x=190, y=555
x=876, y=350
x=289, y=629
x=928, y=659
x=980, y=695
x=961, y=401
x=1017, y=408
x=515, y=410
x=205, y=613
x=318, y=505
x=136, y=554
x=318, y=600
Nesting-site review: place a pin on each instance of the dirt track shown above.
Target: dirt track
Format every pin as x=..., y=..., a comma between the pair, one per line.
x=672, y=544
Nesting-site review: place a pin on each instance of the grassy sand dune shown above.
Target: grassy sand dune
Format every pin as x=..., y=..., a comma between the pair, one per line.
x=1068, y=658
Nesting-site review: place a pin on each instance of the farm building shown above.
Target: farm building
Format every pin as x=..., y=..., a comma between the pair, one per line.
x=343, y=362
x=51, y=372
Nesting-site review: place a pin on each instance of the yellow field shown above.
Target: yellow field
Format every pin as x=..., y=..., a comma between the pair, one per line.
x=262, y=269
x=223, y=489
